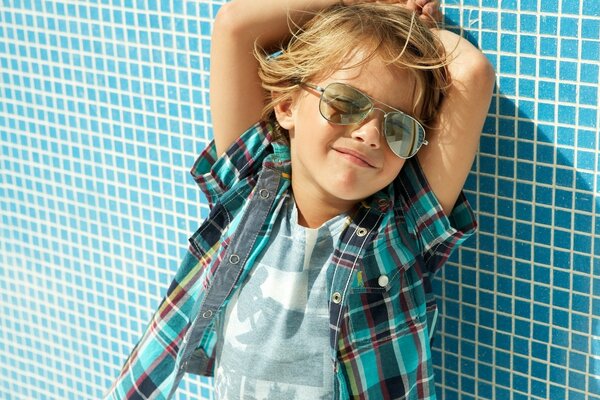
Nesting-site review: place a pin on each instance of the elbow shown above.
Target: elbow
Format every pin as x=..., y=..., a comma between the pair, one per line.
x=228, y=22
x=486, y=73
x=467, y=64
x=470, y=67
x=481, y=72
x=233, y=27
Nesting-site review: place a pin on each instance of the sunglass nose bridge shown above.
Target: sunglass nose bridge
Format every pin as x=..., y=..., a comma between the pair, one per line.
x=383, y=112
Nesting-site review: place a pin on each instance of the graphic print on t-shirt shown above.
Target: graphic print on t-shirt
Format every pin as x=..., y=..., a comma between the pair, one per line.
x=275, y=331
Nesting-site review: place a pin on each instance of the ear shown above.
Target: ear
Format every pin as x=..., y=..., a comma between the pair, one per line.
x=284, y=114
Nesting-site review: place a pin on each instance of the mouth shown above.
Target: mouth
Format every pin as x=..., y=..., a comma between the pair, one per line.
x=355, y=157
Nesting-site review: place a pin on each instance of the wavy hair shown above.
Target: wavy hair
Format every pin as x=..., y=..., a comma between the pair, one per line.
x=321, y=46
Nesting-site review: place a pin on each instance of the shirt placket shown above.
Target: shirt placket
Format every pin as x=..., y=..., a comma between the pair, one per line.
x=346, y=258
x=228, y=272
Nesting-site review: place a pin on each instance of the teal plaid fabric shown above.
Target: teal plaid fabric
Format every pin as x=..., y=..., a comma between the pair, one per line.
x=382, y=309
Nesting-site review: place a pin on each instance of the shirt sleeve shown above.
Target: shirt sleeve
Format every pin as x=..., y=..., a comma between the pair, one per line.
x=437, y=234
x=216, y=175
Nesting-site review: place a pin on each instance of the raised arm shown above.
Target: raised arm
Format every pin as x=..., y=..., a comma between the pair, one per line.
x=236, y=95
x=454, y=137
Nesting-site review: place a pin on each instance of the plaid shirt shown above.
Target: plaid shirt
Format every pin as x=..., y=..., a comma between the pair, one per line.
x=382, y=310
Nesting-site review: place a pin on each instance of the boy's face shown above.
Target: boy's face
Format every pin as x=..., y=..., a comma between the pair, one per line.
x=342, y=165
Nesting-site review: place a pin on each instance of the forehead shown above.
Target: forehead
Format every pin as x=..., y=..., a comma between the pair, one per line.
x=385, y=83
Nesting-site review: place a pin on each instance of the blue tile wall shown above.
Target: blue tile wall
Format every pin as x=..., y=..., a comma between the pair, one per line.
x=104, y=106
x=526, y=300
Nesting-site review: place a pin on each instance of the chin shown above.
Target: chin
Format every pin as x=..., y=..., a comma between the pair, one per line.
x=352, y=189
x=349, y=195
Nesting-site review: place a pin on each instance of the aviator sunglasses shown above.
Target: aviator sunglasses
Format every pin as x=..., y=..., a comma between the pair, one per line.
x=342, y=104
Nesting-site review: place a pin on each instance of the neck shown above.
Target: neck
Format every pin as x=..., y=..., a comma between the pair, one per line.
x=314, y=210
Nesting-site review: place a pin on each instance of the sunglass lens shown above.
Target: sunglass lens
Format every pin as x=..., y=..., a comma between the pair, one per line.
x=404, y=134
x=344, y=105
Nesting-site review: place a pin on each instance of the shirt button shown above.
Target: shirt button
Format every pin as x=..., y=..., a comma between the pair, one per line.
x=264, y=193
x=234, y=259
x=207, y=314
x=383, y=280
x=183, y=366
x=337, y=298
x=361, y=232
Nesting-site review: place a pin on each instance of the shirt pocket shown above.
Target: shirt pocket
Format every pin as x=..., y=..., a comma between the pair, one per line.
x=378, y=313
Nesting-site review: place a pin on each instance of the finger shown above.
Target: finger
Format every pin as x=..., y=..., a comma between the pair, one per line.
x=430, y=11
x=399, y=2
x=352, y=2
x=422, y=3
x=412, y=6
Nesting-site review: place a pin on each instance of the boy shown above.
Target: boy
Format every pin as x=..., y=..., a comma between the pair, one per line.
x=311, y=278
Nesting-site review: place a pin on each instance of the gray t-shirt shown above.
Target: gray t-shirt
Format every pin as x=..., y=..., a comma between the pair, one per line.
x=274, y=334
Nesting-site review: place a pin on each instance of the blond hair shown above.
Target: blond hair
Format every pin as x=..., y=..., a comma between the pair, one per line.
x=332, y=36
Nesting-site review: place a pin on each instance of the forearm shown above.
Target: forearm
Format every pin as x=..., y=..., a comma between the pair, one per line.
x=266, y=21
x=236, y=94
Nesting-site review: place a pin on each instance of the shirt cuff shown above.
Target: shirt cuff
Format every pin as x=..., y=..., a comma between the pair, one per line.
x=438, y=234
x=215, y=175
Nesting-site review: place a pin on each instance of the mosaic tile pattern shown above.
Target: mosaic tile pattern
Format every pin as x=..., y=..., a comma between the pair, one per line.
x=104, y=106
x=521, y=302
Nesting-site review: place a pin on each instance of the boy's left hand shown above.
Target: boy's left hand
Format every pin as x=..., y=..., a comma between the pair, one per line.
x=427, y=10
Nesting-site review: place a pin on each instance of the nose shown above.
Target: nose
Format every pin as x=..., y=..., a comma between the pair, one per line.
x=369, y=131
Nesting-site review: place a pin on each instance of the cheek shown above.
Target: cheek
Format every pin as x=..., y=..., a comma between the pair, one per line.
x=312, y=129
x=393, y=165
x=310, y=122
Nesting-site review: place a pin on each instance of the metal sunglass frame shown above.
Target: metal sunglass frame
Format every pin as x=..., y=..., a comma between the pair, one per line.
x=416, y=135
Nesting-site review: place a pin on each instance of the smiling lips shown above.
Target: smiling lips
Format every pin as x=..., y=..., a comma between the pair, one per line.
x=355, y=157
